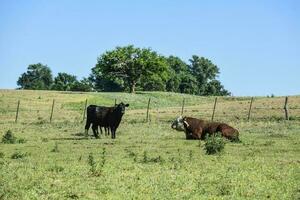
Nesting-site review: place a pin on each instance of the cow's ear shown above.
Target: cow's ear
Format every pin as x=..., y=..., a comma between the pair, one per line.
x=126, y=105
x=186, y=123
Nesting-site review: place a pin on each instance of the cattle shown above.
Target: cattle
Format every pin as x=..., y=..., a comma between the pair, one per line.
x=198, y=129
x=107, y=117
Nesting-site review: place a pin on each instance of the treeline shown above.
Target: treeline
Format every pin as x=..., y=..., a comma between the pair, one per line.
x=129, y=69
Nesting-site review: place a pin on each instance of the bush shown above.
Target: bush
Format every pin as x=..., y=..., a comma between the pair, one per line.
x=19, y=155
x=1, y=155
x=214, y=144
x=9, y=138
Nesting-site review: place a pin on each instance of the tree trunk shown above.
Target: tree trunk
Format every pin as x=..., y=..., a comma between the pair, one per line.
x=132, y=87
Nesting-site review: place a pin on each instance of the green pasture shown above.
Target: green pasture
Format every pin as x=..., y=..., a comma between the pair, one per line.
x=148, y=160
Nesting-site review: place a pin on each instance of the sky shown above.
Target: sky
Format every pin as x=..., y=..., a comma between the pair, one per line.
x=255, y=44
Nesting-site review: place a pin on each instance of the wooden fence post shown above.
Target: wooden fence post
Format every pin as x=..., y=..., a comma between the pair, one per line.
x=249, y=113
x=115, y=102
x=286, y=109
x=52, y=111
x=182, y=108
x=84, y=110
x=147, y=119
x=213, y=114
x=17, y=113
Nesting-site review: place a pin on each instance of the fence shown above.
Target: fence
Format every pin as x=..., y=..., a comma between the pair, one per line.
x=220, y=108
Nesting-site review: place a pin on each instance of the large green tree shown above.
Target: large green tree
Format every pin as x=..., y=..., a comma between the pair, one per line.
x=37, y=77
x=127, y=66
x=64, y=82
x=84, y=85
x=178, y=75
x=206, y=73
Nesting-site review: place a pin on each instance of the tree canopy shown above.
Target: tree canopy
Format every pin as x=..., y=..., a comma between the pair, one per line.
x=125, y=67
x=129, y=69
x=37, y=77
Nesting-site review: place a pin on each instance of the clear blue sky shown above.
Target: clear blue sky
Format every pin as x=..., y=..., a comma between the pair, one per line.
x=256, y=44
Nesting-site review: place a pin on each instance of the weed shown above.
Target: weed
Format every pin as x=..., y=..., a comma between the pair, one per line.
x=56, y=168
x=21, y=140
x=95, y=171
x=190, y=155
x=19, y=155
x=158, y=159
x=103, y=159
x=45, y=139
x=9, y=138
x=55, y=148
x=72, y=196
x=1, y=155
x=92, y=163
x=214, y=144
x=145, y=157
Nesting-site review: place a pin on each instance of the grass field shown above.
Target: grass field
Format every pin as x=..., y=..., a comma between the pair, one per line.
x=148, y=160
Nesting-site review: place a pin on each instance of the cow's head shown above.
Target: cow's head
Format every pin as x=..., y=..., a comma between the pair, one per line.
x=121, y=107
x=178, y=124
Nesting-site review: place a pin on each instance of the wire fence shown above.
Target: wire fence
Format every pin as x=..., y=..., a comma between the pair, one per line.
x=219, y=109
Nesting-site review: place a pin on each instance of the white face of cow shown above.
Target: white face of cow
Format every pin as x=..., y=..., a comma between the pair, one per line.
x=178, y=124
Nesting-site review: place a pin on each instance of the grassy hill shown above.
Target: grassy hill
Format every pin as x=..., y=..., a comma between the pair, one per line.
x=147, y=160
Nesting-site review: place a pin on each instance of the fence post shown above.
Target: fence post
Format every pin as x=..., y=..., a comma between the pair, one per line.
x=147, y=119
x=249, y=113
x=213, y=114
x=182, y=108
x=52, y=111
x=286, y=109
x=115, y=102
x=84, y=110
x=17, y=113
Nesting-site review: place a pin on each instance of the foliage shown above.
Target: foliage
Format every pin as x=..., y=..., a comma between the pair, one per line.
x=178, y=72
x=64, y=82
x=127, y=66
x=67, y=82
x=214, y=144
x=84, y=85
x=37, y=77
x=206, y=73
x=19, y=155
x=55, y=148
x=129, y=69
x=9, y=138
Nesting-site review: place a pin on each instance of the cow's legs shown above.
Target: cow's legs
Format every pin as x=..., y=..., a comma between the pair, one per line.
x=95, y=130
x=113, y=132
x=100, y=129
x=107, y=130
x=87, y=126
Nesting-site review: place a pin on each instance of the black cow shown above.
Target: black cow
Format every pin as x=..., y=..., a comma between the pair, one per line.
x=107, y=117
x=96, y=115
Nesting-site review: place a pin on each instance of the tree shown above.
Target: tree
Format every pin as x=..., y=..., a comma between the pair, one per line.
x=178, y=73
x=188, y=84
x=37, y=77
x=215, y=88
x=84, y=85
x=64, y=82
x=126, y=66
x=206, y=73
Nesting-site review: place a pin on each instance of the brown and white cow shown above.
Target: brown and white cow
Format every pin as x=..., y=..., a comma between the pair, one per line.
x=198, y=129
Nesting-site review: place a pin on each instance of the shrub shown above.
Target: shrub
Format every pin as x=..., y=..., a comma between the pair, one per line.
x=214, y=144
x=21, y=140
x=9, y=138
x=55, y=148
x=19, y=155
